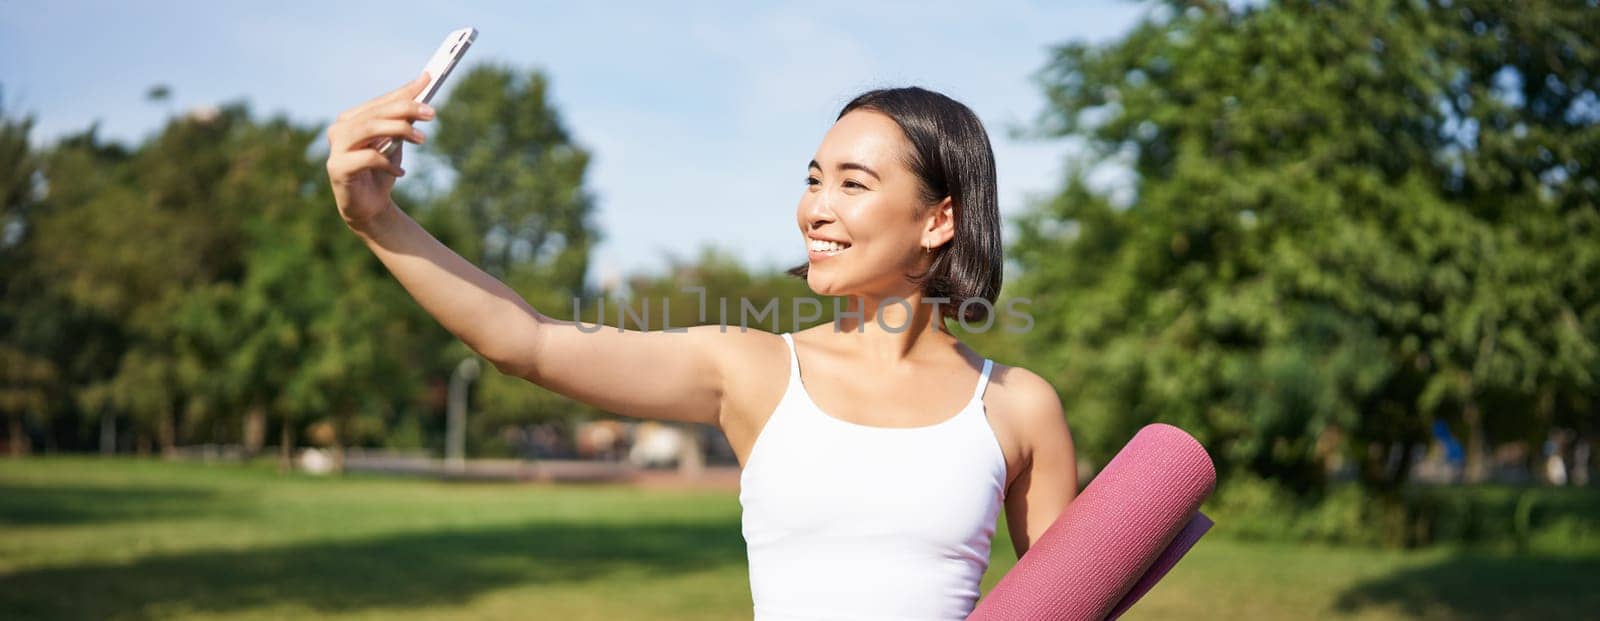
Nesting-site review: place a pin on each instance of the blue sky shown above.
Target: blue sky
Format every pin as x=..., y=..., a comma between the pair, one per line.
x=701, y=116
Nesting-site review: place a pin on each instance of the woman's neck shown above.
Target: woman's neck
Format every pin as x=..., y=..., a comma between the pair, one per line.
x=890, y=327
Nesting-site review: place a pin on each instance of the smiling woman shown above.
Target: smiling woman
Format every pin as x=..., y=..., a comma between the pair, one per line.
x=876, y=460
x=935, y=153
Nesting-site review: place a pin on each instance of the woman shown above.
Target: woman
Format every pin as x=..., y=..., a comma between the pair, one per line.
x=876, y=450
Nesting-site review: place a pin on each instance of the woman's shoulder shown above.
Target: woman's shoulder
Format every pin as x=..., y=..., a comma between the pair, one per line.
x=1026, y=411
x=1027, y=398
x=736, y=348
x=753, y=365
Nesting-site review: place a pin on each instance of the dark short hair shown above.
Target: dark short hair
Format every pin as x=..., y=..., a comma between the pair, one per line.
x=951, y=156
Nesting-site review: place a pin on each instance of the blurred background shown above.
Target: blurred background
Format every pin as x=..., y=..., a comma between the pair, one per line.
x=1353, y=247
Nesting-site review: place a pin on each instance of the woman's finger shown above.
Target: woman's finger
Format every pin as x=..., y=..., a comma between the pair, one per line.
x=348, y=164
x=404, y=109
x=362, y=133
x=407, y=91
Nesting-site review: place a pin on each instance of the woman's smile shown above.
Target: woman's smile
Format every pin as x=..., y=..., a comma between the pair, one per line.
x=820, y=248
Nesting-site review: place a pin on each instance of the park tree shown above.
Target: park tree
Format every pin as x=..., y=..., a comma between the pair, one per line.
x=56, y=347
x=1355, y=217
x=195, y=284
x=19, y=170
x=518, y=200
x=518, y=181
x=134, y=240
x=711, y=287
x=307, y=331
x=24, y=375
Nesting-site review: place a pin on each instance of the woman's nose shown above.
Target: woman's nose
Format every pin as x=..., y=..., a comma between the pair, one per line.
x=817, y=207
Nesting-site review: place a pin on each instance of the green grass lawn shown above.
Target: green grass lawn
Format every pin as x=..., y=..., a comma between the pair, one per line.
x=83, y=538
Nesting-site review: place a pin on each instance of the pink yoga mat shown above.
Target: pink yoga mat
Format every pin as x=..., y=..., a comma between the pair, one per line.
x=1116, y=539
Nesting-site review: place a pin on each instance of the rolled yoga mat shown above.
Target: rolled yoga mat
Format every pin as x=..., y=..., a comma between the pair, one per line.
x=1116, y=539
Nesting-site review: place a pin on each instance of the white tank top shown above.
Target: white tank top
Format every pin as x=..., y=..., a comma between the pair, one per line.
x=847, y=521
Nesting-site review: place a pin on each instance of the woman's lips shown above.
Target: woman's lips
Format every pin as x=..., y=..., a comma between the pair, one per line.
x=818, y=256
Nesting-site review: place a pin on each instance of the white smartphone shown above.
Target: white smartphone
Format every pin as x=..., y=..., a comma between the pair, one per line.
x=439, y=65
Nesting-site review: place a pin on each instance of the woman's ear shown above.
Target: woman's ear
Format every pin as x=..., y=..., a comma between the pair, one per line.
x=940, y=224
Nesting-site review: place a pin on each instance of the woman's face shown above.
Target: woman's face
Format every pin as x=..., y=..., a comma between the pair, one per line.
x=862, y=215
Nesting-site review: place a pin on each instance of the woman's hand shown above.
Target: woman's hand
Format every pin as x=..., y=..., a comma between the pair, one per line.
x=361, y=176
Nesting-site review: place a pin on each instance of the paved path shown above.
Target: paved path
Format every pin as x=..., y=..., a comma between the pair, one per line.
x=724, y=478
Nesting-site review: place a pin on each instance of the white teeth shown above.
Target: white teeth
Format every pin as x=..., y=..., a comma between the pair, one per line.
x=818, y=245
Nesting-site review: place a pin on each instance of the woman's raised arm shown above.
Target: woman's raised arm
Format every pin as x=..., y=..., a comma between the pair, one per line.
x=659, y=375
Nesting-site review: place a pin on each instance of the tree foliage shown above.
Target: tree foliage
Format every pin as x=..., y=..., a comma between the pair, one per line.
x=199, y=286
x=1346, y=216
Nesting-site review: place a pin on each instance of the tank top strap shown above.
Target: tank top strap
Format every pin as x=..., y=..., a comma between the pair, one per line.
x=983, y=380
x=794, y=360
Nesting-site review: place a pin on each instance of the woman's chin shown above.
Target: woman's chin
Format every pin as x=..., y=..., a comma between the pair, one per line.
x=823, y=285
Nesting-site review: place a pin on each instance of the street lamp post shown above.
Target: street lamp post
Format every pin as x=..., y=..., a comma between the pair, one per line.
x=456, y=423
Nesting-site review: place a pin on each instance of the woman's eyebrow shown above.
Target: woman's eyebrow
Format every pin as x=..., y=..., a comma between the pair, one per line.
x=850, y=166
